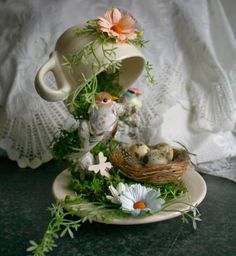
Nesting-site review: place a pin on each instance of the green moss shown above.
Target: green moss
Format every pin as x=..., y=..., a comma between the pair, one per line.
x=106, y=148
x=109, y=82
x=94, y=187
x=63, y=143
x=83, y=101
x=170, y=191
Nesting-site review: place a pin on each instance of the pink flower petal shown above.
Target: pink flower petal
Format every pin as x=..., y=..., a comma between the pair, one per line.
x=116, y=15
x=103, y=21
x=128, y=31
x=121, y=38
x=131, y=36
x=126, y=21
x=104, y=29
x=113, y=33
x=117, y=24
x=108, y=16
x=103, y=24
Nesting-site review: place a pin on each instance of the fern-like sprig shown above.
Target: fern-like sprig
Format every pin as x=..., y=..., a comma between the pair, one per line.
x=149, y=76
x=57, y=227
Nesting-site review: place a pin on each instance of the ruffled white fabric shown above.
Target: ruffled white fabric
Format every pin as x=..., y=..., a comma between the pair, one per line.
x=223, y=168
x=27, y=142
x=191, y=47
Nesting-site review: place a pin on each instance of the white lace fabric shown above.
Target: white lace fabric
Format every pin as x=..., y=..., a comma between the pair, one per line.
x=28, y=142
x=191, y=47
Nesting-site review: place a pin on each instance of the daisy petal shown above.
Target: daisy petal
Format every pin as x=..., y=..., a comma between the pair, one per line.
x=151, y=195
x=156, y=205
x=138, y=199
x=127, y=204
x=136, y=212
x=128, y=194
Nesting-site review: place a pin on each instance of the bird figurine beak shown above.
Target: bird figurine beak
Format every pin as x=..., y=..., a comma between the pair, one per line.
x=137, y=91
x=114, y=98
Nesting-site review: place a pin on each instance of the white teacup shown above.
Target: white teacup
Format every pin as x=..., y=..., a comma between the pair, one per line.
x=67, y=81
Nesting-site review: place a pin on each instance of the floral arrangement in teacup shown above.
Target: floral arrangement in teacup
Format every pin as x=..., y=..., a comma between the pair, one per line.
x=116, y=27
x=102, y=192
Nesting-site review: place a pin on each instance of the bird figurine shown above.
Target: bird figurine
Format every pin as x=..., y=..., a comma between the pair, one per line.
x=131, y=97
x=101, y=126
x=103, y=118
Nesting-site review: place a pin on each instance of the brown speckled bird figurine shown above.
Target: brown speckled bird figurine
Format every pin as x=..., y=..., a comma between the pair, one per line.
x=102, y=123
x=103, y=118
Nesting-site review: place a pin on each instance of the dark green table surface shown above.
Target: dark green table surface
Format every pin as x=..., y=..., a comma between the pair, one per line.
x=25, y=195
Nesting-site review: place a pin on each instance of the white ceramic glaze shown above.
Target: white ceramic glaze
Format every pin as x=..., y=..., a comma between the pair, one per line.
x=193, y=181
x=66, y=81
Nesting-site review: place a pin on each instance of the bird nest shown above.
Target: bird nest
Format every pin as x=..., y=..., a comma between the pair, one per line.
x=136, y=170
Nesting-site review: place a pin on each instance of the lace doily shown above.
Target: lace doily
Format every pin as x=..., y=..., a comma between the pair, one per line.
x=28, y=142
x=191, y=47
x=223, y=168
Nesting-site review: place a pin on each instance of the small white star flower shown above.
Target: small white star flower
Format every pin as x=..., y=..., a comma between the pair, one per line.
x=103, y=167
x=116, y=192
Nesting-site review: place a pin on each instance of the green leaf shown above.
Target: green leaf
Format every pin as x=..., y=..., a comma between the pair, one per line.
x=70, y=233
x=63, y=232
x=54, y=227
x=33, y=246
x=149, y=76
x=92, y=22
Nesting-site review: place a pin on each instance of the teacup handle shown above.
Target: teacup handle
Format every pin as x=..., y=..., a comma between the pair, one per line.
x=63, y=86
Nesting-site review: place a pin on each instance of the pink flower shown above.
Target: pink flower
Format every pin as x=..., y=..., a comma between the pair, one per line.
x=118, y=25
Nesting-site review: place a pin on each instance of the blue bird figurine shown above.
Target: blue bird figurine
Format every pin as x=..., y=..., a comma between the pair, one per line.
x=131, y=97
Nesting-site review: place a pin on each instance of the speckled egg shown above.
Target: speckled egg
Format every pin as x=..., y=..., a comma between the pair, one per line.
x=155, y=157
x=166, y=150
x=139, y=150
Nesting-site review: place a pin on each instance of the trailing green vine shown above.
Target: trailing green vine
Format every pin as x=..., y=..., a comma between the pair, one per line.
x=59, y=226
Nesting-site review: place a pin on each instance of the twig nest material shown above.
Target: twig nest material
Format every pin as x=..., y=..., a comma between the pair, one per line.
x=152, y=167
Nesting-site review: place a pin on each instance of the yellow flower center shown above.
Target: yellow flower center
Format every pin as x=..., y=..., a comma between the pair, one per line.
x=139, y=205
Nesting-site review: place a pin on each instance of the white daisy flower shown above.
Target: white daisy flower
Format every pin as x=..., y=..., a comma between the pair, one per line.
x=138, y=199
x=116, y=192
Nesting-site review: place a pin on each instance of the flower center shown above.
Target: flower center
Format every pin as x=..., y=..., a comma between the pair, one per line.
x=117, y=28
x=139, y=205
